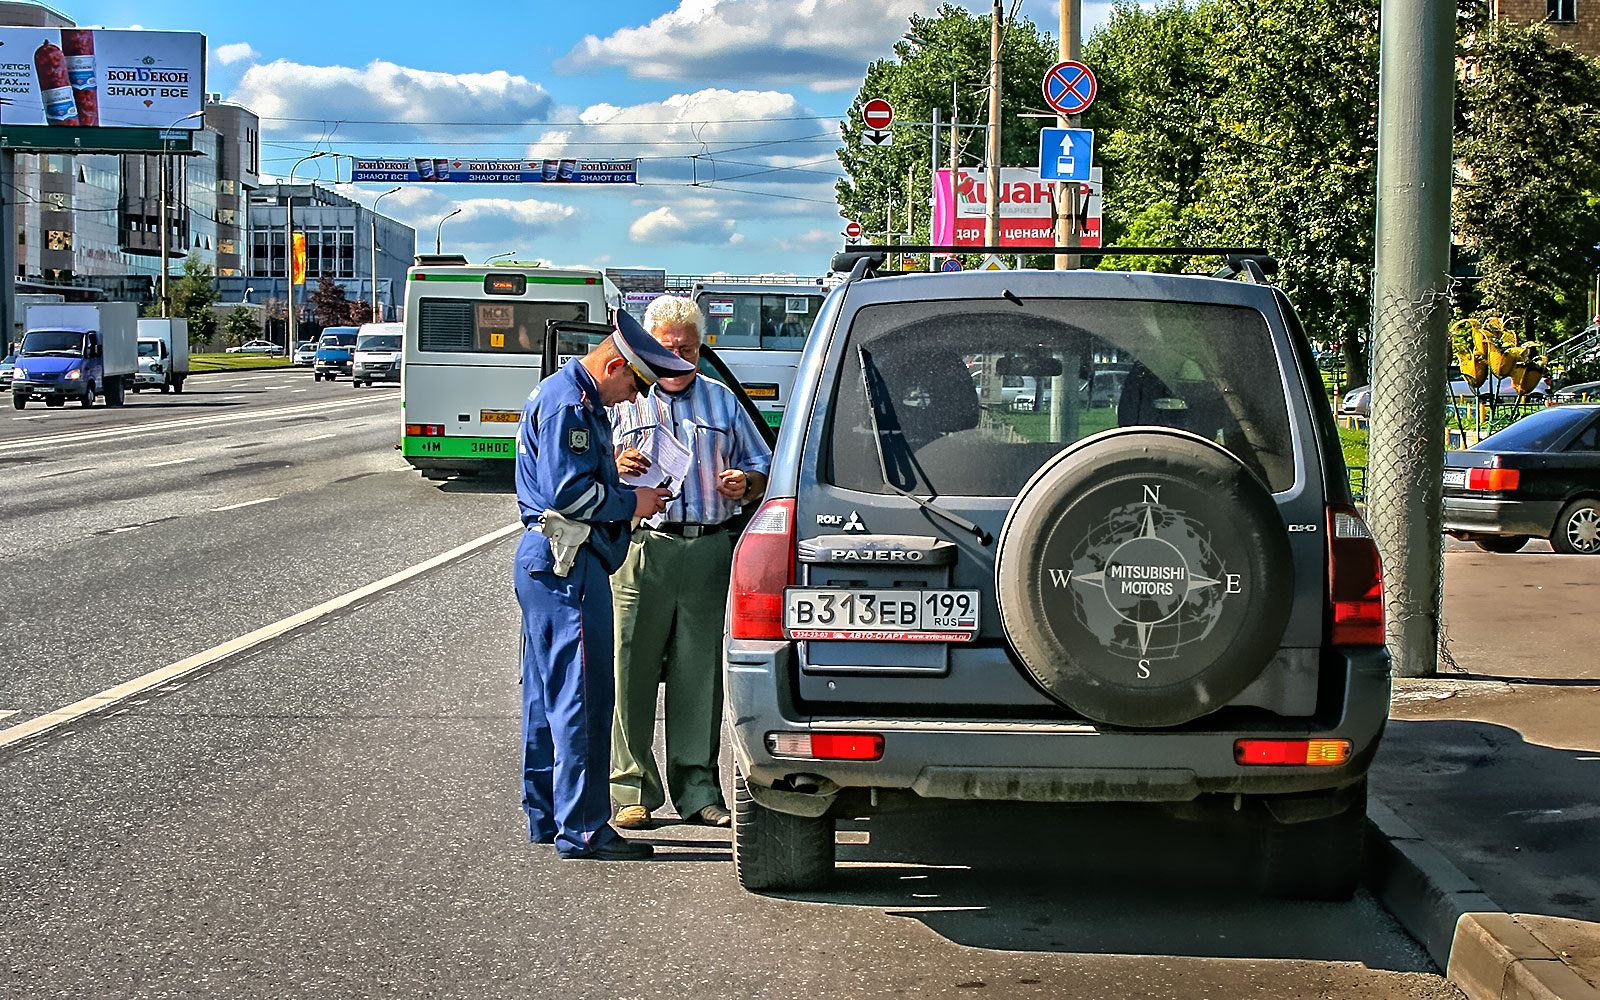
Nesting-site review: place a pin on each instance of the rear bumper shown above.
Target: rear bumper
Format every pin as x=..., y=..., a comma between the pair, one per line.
x=1494, y=516
x=1032, y=761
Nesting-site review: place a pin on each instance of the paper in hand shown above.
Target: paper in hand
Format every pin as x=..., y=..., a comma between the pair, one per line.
x=669, y=466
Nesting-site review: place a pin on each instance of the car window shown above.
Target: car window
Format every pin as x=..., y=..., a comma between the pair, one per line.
x=149, y=349
x=1588, y=440
x=1208, y=369
x=1535, y=432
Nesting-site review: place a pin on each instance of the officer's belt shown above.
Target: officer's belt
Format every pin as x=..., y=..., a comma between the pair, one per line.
x=685, y=529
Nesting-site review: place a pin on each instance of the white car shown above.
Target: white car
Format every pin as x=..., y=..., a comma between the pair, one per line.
x=256, y=347
x=306, y=354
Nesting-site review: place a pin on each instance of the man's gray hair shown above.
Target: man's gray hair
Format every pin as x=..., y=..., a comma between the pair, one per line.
x=674, y=310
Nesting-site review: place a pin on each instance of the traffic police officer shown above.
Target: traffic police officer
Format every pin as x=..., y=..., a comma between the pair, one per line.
x=579, y=519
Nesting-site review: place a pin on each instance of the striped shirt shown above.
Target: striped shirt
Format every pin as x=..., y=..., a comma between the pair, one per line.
x=708, y=420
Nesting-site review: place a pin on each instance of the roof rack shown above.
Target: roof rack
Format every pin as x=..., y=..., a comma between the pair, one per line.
x=1255, y=263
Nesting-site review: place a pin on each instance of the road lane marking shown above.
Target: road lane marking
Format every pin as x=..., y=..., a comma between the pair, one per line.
x=172, y=671
x=299, y=390
x=81, y=437
x=175, y=461
x=32, y=416
x=247, y=503
x=321, y=437
x=4, y=712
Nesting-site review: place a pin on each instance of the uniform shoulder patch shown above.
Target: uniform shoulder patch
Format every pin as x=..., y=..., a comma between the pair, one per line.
x=578, y=440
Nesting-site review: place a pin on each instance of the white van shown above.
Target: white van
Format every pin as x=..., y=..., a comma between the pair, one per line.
x=378, y=350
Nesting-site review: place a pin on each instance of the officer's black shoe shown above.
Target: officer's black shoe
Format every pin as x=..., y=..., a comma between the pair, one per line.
x=614, y=849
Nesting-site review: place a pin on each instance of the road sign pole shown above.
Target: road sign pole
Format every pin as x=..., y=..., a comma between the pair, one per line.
x=1066, y=232
x=933, y=179
x=991, y=225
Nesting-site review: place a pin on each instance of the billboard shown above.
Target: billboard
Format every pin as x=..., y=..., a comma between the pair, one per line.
x=92, y=78
x=425, y=170
x=1025, y=209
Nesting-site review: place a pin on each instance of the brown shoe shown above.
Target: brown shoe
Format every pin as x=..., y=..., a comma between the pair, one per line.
x=634, y=818
x=712, y=815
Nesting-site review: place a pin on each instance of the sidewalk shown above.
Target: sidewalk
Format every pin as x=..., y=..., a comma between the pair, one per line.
x=1486, y=789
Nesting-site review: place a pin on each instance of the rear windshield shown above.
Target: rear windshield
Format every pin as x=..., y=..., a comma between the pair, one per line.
x=500, y=327
x=379, y=342
x=975, y=395
x=1535, y=432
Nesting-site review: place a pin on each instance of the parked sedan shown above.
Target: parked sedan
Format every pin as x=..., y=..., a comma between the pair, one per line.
x=306, y=354
x=256, y=347
x=1538, y=478
x=7, y=363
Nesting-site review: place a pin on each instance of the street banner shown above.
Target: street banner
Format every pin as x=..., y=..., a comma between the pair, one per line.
x=1025, y=209
x=298, y=268
x=92, y=78
x=423, y=170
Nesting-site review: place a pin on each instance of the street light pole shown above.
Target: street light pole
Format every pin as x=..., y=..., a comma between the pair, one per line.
x=162, y=180
x=376, y=317
x=438, y=234
x=288, y=251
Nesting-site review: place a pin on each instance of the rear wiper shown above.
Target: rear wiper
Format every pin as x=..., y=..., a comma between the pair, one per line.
x=869, y=379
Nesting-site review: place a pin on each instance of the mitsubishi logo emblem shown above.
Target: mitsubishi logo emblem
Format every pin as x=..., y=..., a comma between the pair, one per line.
x=854, y=524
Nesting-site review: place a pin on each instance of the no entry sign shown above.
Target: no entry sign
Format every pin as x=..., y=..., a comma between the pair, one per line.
x=877, y=114
x=853, y=230
x=1069, y=87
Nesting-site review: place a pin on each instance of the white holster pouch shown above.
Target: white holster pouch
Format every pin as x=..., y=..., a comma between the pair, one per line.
x=566, y=537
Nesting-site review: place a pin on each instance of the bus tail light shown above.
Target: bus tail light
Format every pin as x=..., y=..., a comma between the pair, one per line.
x=425, y=430
x=1355, y=581
x=1502, y=480
x=763, y=564
x=1316, y=753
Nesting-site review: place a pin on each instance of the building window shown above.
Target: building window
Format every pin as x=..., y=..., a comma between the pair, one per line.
x=227, y=187
x=55, y=239
x=1564, y=11
x=228, y=216
x=227, y=246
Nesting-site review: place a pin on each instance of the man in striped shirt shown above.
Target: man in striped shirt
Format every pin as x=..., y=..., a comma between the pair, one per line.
x=671, y=592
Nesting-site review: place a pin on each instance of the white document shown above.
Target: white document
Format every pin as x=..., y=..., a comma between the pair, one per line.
x=669, y=466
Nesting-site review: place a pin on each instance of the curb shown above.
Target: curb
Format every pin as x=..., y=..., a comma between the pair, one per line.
x=1485, y=951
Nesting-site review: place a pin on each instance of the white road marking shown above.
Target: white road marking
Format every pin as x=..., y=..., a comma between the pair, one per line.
x=299, y=390
x=172, y=671
x=226, y=398
x=175, y=461
x=80, y=437
x=5, y=712
x=322, y=437
x=32, y=416
x=247, y=503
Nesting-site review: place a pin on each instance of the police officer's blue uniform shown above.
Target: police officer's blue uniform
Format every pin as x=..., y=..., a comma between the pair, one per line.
x=564, y=463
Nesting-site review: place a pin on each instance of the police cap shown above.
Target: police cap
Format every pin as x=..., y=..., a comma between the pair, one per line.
x=648, y=359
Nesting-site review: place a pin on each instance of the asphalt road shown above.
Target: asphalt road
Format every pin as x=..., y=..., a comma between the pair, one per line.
x=333, y=812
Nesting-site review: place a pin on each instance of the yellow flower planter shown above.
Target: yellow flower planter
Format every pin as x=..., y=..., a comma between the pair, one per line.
x=1474, y=368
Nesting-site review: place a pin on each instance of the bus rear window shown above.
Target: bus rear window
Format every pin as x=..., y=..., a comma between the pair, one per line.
x=468, y=326
x=773, y=322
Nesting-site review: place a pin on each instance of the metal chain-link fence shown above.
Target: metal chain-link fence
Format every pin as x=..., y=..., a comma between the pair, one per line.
x=1405, y=469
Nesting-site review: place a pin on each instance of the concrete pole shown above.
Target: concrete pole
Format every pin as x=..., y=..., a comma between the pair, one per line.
x=1411, y=310
x=1066, y=193
x=991, y=225
x=162, y=174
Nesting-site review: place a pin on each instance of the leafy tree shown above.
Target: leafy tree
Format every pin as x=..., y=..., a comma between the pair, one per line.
x=192, y=298
x=951, y=49
x=1528, y=190
x=241, y=325
x=329, y=304
x=360, y=312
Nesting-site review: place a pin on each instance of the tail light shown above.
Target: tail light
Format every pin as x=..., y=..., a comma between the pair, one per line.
x=1355, y=580
x=826, y=746
x=425, y=430
x=763, y=564
x=1303, y=752
x=1503, y=480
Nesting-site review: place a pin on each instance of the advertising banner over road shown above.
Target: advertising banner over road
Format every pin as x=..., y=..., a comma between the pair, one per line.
x=1025, y=209
x=90, y=78
x=430, y=171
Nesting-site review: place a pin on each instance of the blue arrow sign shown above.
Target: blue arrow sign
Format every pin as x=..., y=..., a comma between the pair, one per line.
x=1065, y=153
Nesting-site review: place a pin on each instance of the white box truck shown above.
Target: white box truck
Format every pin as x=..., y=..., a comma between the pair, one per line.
x=82, y=351
x=163, y=355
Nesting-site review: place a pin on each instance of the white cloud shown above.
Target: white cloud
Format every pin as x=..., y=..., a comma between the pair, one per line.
x=386, y=92
x=811, y=241
x=236, y=52
x=690, y=221
x=824, y=44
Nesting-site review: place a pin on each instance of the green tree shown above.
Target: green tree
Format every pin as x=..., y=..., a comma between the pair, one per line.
x=951, y=49
x=192, y=298
x=241, y=325
x=1528, y=185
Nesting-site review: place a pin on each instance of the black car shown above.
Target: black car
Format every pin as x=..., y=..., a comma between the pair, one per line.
x=1171, y=599
x=1538, y=478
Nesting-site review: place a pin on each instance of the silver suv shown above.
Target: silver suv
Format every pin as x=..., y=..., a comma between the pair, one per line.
x=1167, y=599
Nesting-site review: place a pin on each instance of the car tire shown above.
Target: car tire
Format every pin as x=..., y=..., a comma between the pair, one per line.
x=1577, y=530
x=1091, y=559
x=177, y=385
x=115, y=392
x=1501, y=543
x=88, y=396
x=316, y=376
x=1318, y=859
x=19, y=402
x=777, y=852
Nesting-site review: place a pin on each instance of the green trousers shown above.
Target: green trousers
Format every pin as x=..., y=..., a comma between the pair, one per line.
x=670, y=596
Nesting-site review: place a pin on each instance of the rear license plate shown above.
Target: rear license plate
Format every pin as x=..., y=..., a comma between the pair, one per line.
x=500, y=416
x=1456, y=478
x=761, y=390
x=881, y=615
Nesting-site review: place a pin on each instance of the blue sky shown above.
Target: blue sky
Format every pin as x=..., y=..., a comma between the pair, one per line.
x=657, y=79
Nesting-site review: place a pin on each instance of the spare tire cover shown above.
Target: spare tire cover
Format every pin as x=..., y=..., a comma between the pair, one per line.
x=1144, y=577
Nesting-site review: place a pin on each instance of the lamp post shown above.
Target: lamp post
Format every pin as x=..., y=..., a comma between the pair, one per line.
x=163, y=182
x=288, y=250
x=376, y=316
x=438, y=234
